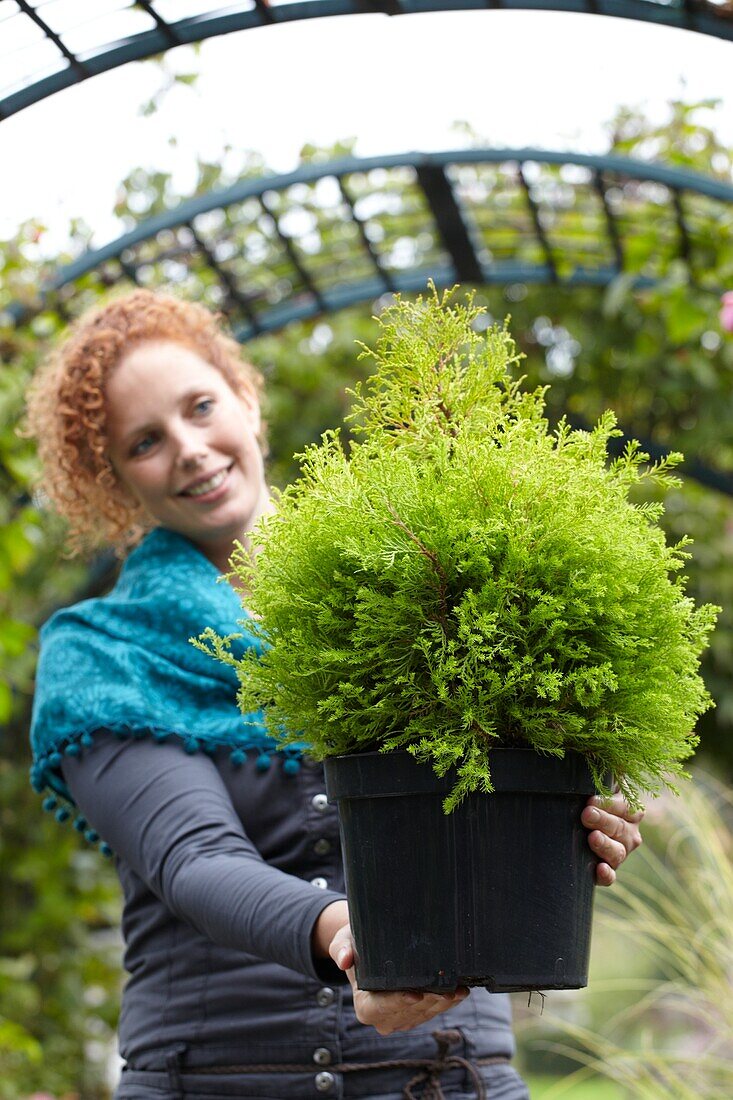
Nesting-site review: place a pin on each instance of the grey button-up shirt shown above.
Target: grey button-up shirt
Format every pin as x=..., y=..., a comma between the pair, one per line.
x=225, y=870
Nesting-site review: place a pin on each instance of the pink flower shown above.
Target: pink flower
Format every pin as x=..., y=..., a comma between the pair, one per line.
x=726, y=311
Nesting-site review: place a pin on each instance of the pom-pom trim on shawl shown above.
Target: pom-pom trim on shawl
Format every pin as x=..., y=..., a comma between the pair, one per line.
x=46, y=776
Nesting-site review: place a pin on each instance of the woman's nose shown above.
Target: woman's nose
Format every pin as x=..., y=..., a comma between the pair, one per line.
x=191, y=447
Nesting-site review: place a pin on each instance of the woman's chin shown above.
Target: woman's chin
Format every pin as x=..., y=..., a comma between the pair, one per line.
x=220, y=528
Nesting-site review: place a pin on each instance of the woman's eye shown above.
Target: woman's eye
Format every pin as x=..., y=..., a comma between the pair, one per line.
x=142, y=446
x=203, y=406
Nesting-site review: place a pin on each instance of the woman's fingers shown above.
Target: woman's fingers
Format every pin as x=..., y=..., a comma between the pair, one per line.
x=616, y=823
x=615, y=833
x=389, y=1012
x=605, y=875
x=616, y=807
x=341, y=948
x=412, y=996
x=610, y=851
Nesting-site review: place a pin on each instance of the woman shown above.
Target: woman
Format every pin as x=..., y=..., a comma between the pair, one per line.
x=236, y=925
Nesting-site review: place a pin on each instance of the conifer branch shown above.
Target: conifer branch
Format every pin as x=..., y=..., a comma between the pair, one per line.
x=442, y=585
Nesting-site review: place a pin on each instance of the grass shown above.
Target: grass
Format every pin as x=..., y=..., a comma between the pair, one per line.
x=546, y=1087
x=656, y=1021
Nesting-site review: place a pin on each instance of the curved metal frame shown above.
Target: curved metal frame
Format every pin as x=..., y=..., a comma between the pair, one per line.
x=703, y=16
x=440, y=212
x=451, y=219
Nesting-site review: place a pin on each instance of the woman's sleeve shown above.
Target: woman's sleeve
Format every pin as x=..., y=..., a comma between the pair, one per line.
x=169, y=816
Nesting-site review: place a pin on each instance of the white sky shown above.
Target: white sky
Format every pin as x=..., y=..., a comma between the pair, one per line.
x=519, y=78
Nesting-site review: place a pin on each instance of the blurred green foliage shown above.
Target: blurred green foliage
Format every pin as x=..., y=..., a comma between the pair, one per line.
x=657, y=357
x=548, y=1087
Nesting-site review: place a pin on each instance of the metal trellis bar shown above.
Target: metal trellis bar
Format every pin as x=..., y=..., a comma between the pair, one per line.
x=535, y=215
x=368, y=246
x=289, y=247
x=449, y=221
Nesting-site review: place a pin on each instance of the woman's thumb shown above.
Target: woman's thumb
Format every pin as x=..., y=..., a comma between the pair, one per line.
x=341, y=948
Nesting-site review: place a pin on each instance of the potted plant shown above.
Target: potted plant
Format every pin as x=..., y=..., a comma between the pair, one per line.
x=476, y=624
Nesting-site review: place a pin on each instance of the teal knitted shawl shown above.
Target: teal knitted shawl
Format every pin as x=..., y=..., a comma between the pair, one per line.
x=123, y=663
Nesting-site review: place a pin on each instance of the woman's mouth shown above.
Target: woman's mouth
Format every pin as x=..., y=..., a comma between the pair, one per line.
x=207, y=487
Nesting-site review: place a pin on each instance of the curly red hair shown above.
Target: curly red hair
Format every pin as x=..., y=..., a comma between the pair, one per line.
x=67, y=410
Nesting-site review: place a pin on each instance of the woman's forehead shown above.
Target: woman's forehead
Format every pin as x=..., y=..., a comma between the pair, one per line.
x=161, y=370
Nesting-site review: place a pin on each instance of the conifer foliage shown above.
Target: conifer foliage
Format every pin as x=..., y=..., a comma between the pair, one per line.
x=467, y=577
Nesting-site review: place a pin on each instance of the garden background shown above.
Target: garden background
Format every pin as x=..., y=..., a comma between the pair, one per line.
x=657, y=1019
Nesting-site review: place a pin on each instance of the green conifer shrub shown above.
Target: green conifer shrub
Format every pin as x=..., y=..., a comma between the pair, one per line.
x=468, y=578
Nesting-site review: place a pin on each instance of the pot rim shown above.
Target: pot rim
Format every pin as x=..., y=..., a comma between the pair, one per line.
x=517, y=770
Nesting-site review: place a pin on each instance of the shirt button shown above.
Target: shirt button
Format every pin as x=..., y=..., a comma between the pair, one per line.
x=324, y=1081
x=322, y=846
x=319, y=802
x=325, y=996
x=320, y=882
x=322, y=1056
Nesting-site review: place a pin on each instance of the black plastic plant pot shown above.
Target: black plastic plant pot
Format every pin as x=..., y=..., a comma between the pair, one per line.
x=498, y=893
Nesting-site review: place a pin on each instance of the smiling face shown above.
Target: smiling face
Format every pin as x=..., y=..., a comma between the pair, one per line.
x=185, y=445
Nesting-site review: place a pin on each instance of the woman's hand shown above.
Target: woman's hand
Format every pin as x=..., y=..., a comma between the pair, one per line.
x=615, y=833
x=388, y=1012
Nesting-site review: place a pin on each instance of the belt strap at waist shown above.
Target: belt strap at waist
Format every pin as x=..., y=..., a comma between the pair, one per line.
x=429, y=1070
